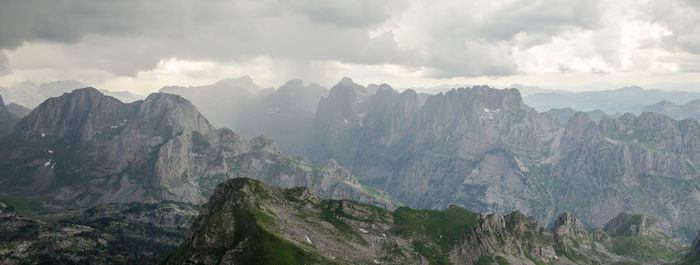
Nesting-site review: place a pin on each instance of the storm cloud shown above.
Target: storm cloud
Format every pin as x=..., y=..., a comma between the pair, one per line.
x=436, y=39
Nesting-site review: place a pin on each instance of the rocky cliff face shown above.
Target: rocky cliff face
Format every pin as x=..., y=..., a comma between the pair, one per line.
x=109, y=234
x=485, y=150
x=83, y=149
x=247, y=222
x=644, y=164
x=472, y=147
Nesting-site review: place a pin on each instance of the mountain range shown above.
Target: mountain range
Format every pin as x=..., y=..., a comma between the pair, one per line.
x=623, y=100
x=484, y=149
x=563, y=115
x=30, y=95
x=690, y=110
x=453, y=154
x=84, y=149
x=284, y=114
x=248, y=222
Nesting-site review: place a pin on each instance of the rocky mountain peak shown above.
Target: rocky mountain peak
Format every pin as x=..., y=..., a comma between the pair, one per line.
x=678, y=112
x=384, y=87
x=483, y=97
x=579, y=127
x=567, y=225
x=346, y=81
x=234, y=187
x=663, y=103
x=2, y=103
x=80, y=114
x=631, y=224
x=172, y=112
x=160, y=148
x=654, y=120
x=86, y=92
x=517, y=221
x=244, y=83
x=631, y=89
x=345, y=89
x=293, y=83
x=386, y=91
x=361, y=91
x=627, y=118
x=580, y=120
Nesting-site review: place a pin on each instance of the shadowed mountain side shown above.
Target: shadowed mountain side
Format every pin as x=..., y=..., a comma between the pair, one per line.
x=84, y=149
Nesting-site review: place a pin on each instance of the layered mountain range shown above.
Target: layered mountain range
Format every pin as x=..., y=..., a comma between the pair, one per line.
x=485, y=150
x=28, y=94
x=284, y=114
x=84, y=149
x=631, y=99
x=477, y=148
x=685, y=111
x=248, y=222
x=563, y=115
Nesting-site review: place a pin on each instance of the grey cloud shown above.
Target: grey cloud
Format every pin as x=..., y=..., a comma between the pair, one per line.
x=681, y=17
x=360, y=13
x=124, y=37
x=477, y=38
x=4, y=64
x=472, y=58
x=449, y=38
x=544, y=17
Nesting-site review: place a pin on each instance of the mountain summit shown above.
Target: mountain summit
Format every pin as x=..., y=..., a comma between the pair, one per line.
x=84, y=148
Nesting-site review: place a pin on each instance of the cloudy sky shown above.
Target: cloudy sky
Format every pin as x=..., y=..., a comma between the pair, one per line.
x=143, y=45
